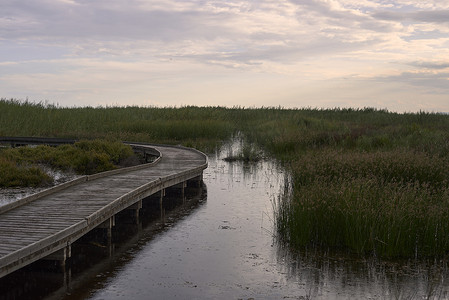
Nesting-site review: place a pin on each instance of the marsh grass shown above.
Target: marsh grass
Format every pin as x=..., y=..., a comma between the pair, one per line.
x=391, y=204
x=198, y=127
x=365, y=217
x=366, y=180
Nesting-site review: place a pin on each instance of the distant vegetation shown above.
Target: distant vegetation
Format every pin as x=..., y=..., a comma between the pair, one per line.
x=364, y=180
x=191, y=126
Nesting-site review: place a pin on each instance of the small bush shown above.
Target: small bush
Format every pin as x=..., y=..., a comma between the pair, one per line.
x=13, y=175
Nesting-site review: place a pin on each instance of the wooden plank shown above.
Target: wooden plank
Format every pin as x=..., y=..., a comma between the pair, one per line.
x=17, y=239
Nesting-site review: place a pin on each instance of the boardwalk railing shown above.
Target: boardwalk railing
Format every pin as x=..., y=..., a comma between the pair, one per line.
x=21, y=141
x=50, y=221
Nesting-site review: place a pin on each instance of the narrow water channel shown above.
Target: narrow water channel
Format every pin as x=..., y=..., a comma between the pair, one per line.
x=220, y=244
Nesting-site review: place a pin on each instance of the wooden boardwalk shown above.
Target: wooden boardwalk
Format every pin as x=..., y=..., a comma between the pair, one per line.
x=49, y=222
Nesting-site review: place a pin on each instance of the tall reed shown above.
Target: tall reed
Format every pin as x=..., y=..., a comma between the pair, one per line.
x=389, y=204
x=191, y=126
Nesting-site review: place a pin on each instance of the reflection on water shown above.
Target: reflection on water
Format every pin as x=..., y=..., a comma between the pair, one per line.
x=338, y=276
x=221, y=245
x=95, y=258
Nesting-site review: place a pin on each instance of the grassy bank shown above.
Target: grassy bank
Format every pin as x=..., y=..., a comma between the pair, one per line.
x=364, y=180
x=22, y=166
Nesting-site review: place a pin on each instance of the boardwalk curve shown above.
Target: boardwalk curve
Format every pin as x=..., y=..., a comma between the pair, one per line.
x=50, y=221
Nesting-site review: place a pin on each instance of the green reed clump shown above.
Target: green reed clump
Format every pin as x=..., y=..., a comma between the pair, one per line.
x=361, y=215
x=248, y=153
x=390, y=204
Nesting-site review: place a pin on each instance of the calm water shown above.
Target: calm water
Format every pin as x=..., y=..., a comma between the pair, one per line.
x=220, y=244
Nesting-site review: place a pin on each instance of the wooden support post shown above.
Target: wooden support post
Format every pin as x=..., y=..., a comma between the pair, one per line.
x=183, y=187
x=68, y=280
x=108, y=224
x=60, y=257
x=110, y=248
x=162, y=195
x=200, y=180
x=161, y=207
x=136, y=207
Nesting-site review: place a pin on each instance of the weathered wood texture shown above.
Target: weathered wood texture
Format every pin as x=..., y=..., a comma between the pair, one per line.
x=46, y=222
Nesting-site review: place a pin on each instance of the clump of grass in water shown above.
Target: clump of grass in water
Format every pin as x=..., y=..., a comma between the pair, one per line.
x=387, y=204
x=247, y=153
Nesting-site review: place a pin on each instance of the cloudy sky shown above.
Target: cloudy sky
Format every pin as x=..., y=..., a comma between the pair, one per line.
x=390, y=54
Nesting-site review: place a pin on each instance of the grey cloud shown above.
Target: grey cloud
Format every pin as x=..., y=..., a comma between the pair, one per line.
x=111, y=22
x=441, y=16
x=40, y=19
x=346, y=18
x=95, y=25
x=437, y=16
x=389, y=16
x=431, y=65
x=425, y=35
x=435, y=83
